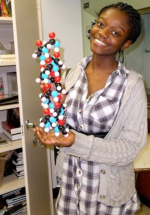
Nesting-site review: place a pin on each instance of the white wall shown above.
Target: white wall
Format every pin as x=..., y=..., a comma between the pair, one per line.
x=65, y=19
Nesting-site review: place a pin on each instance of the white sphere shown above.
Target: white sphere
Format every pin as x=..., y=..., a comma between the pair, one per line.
x=47, y=72
x=56, y=74
x=58, y=88
x=42, y=69
x=45, y=105
x=46, y=55
x=54, y=124
x=49, y=46
x=46, y=130
x=56, y=49
x=42, y=62
x=55, y=114
x=63, y=66
x=64, y=104
x=57, y=134
x=51, y=110
x=42, y=124
x=60, y=62
x=34, y=55
x=45, y=80
x=43, y=99
x=40, y=95
x=56, y=99
x=44, y=42
x=60, y=117
x=63, y=91
x=38, y=80
x=67, y=129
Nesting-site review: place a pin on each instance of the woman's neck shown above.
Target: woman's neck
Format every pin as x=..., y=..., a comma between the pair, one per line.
x=103, y=64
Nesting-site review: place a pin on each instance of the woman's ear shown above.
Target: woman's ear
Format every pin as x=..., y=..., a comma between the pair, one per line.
x=126, y=44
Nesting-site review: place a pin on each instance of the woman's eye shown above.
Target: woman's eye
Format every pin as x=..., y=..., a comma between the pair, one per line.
x=115, y=33
x=100, y=24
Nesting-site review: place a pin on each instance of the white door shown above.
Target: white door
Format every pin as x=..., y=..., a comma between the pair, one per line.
x=37, y=171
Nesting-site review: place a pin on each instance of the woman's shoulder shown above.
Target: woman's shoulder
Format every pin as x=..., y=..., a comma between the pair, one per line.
x=134, y=77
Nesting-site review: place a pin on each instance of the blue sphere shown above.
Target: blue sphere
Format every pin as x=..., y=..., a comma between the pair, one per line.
x=62, y=111
x=51, y=105
x=52, y=62
x=44, y=76
x=47, y=101
x=44, y=50
x=42, y=57
x=57, y=44
x=52, y=119
x=47, y=125
x=56, y=129
x=54, y=94
x=55, y=68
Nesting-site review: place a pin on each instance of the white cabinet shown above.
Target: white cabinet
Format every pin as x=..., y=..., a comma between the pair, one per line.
x=37, y=181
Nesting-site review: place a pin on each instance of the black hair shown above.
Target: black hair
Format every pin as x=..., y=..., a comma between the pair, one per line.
x=134, y=18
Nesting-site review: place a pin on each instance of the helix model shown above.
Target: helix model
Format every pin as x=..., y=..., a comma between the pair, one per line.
x=51, y=85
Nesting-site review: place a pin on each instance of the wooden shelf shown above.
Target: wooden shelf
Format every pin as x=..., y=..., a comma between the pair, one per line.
x=12, y=146
x=10, y=183
x=6, y=107
x=8, y=64
x=6, y=19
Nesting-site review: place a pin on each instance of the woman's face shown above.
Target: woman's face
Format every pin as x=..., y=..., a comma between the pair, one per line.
x=110, y=33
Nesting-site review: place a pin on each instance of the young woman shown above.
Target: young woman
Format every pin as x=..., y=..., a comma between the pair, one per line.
x=107, y=114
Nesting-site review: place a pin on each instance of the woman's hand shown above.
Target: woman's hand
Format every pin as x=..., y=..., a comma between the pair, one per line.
x=52, y=140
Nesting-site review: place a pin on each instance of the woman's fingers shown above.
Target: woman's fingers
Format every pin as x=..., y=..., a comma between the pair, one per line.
x=51, y=139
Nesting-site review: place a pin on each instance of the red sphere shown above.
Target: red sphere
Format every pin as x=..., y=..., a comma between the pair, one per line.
x=46, y=111
x=48, y=60
x=47, y=86
x=51, y=114
x=57, y=79
x=42, y=66
x=52, y=35
x=52, y=74
x=57, y=104
x=61, y=122
x=56, y=54
x=39, y=43
x=59, y=97
x=43, y=90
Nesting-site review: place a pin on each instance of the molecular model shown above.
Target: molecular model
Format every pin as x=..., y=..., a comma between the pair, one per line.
x=50, y=80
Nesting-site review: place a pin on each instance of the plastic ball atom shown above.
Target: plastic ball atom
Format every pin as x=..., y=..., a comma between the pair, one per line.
x=50, y=74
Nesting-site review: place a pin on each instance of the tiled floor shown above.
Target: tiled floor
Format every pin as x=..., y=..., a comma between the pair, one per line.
x=144, y=210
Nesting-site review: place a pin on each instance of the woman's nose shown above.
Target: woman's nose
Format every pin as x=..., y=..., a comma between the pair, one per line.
x=104, y=33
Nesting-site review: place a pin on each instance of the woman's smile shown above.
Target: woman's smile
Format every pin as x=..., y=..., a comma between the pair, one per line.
x=99, y=42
